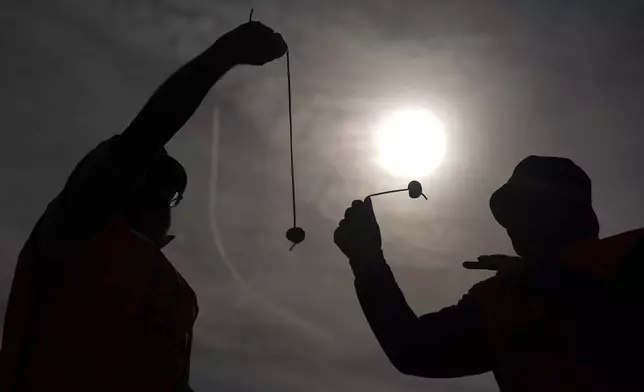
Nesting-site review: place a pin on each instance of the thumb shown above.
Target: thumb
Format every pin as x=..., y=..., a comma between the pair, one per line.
x=368, y=203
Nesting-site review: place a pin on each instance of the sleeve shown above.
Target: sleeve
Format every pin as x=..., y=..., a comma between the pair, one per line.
x=448, y=343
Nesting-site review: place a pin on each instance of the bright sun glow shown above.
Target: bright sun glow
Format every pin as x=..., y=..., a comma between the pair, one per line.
x=411, y=142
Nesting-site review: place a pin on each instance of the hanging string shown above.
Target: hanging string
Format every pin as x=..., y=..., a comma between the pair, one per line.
x=290, y=131
x=295, y=234
x=311, y=328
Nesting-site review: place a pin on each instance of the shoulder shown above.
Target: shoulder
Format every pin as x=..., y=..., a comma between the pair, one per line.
x=86, y=177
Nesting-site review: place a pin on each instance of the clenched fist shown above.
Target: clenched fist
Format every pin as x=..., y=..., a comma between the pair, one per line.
x=358, y=234
x=252, y=43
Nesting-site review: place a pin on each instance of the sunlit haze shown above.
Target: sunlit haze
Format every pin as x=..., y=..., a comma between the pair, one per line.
x=411, y=142
x=453, y=94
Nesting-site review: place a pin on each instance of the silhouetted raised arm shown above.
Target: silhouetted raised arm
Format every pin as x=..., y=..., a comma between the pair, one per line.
x=448, y=343
x=179, y=97
x=174, y=102
x=104, y=179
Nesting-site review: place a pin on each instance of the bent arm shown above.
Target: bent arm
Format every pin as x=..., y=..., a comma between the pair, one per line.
x=164, y=114
x=445, y=344
x=173, y=103
x=101, y=183
x=106, y=177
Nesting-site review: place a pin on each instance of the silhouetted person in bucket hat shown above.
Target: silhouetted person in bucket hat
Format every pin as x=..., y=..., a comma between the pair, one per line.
x=565, y=315
x=545, y=206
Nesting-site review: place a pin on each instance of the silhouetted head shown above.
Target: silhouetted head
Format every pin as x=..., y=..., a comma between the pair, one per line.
x=148, y=210
x=545, y=207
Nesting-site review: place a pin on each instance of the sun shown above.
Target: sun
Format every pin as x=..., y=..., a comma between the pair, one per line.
x=410, y=142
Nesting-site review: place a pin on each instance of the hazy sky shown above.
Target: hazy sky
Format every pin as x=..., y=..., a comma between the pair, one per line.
x=510, y=79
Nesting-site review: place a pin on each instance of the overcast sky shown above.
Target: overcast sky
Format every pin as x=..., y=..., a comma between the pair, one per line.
x=509, y=78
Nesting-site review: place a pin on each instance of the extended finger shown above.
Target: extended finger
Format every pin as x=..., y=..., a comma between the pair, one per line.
x=494, y=262
x=501, y=261
x=498, y=257
x=477, y=265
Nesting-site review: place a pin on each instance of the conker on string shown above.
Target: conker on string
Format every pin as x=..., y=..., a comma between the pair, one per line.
x=415, y=189
x=295, y=235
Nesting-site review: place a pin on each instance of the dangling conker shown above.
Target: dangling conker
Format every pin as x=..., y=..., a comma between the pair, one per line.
x=415, y=189
x=295, y=235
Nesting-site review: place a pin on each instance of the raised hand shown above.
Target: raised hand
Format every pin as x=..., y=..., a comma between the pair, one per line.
x=358, y=234
x=253, y=43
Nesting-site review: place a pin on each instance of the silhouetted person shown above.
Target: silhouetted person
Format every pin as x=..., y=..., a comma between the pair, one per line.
x=564, y=316
x=94, y=304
